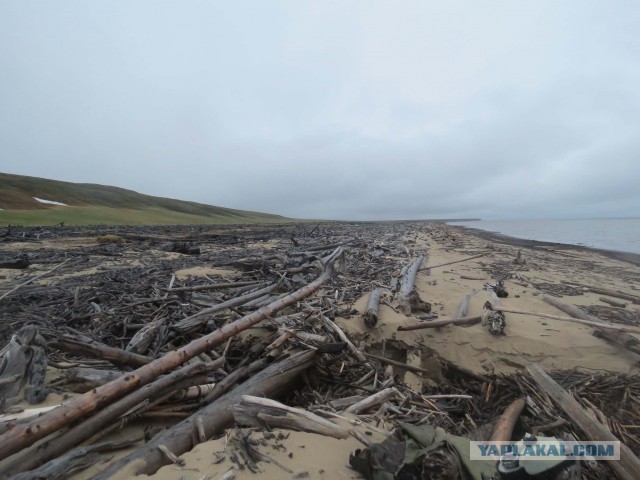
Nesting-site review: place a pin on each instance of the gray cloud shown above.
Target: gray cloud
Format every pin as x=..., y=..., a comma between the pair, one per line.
x=358, y=110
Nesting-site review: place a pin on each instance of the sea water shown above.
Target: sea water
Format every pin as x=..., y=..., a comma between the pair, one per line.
x=621, y=234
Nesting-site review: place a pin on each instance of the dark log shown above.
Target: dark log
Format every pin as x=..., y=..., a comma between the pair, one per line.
x=370, y=315
x=23, y=436
x=407, y=285
x=37, y=455
x=628, y=468
x=215, y=417
x=440, y=323
x=15, y=263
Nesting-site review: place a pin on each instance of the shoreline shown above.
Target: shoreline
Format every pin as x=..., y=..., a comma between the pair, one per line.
x=629, y=257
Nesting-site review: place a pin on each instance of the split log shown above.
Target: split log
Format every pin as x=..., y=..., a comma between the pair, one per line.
x=215, y=417
x=37, y=455
x=628, y=468
x=23, y=436
x=600, y=324
x=407, y=285
x=370, y=315
x=507, y=421
x=440, y=323
x=263, y=412
x=618, y=337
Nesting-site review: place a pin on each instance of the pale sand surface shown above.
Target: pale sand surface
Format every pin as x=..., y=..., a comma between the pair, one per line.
x=552, y=343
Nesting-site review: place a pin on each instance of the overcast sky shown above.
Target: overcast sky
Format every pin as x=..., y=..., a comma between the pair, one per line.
x=331, y=109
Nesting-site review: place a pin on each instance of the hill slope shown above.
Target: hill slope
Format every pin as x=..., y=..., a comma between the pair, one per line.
x=97, y=204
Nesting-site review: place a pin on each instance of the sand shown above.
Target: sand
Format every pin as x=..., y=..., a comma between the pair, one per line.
x=552, y=343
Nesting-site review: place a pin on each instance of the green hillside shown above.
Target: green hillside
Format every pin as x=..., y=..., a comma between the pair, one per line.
x=89, y=204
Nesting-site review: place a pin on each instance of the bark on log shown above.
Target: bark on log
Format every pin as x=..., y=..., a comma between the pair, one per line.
x=408, y=282
x=440, y=323
x=37, y=455
x=628, y=468
x=370, y=315
x=23, y=436
x=507, y=421
x=215, y=417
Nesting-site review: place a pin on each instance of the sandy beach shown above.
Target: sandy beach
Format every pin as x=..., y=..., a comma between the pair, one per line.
x=459, y=262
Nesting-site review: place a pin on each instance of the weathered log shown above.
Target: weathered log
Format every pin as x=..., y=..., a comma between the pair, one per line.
x=370, y=315
x=37, y=455
x=463, y=308
x=507, y=421
x=15, y=263
x=613, y=303
x=628, y=468
x=24, y=361
x=371, y=401
x=440, y=323
x=263, y=412
x=96, y=349
x=611, y=293
x=84, y=379
x=216, y=416
x=600, y=324
x=618, y=337
x=23, y=436
x=76, y=460
x=215, y=286
x=407, y=285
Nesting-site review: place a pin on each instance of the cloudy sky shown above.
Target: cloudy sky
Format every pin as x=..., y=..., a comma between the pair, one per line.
x=331, y=109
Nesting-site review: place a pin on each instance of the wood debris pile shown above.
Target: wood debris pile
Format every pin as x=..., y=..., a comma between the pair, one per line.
x=141, y=342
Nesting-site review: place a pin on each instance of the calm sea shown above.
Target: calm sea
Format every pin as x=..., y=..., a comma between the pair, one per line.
x=622, y=234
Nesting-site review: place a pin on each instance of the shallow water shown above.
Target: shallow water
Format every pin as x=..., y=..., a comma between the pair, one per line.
x=622, y=234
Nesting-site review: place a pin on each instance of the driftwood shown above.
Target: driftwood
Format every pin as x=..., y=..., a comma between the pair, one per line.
x=16, y=263
x=24, y=362
x=96, y=349
x=407, y=286
x=263, y=412
x=611, y=293
x=370, y=315
x=618, y=337
x=600, y=324
x=36, y=455
x=613, y=303
x=74, y=461
x=215, y=286
x=628, y=468
x=440, y=323
x=463, y=308
x=507, y=421
x=23, y=436
x=372, y=401
x=216, y=416
x=5, y=295
x=455, y=261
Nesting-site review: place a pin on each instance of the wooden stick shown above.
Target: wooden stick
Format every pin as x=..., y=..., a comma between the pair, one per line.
x=628, y=468
x=372, y=400
x=22, y=436
x=114, y=355
x=507, y=421
x=388, y=361
x=440, y=323
x=456, y=261
x=408, y=281
x=3, y=296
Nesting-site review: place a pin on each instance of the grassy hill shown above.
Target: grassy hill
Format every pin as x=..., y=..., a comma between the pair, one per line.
x=90, y=204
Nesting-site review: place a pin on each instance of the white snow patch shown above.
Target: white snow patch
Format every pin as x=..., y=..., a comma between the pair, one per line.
x=50, y=202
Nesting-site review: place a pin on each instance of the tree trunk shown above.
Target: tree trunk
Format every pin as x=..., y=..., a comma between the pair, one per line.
x=370, y=315
x=408, y=282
